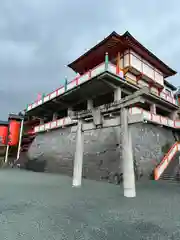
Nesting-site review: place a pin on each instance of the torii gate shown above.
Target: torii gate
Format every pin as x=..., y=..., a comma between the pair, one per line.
x=99, y=122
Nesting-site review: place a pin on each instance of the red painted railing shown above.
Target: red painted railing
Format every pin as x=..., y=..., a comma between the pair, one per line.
x=83, y=78
x=158, y=171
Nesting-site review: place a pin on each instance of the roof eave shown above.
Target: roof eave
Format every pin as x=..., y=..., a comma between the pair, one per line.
x=113, y=34
x=171, y=86
x=167, y=70
x=4, y=123
x=170, y=70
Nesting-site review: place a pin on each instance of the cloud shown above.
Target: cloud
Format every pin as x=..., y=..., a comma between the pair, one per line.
x=39, y=37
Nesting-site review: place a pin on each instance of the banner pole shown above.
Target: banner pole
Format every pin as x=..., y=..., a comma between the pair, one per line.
x=20, y=139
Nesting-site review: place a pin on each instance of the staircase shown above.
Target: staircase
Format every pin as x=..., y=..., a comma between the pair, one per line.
x=169, y=177
x=171, y=172
x=170, y=165
x=166, y=176
x=27, y=140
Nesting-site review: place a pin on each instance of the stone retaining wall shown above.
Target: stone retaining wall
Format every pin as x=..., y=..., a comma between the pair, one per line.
x=102, y=151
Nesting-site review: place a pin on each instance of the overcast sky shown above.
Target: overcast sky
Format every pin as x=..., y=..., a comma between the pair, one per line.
x=38, y=38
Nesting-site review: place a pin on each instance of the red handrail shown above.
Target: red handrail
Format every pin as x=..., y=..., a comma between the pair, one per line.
x=165, y=161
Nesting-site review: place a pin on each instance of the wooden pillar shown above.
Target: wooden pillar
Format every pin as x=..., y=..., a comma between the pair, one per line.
x=118, y=63
x=106, y=61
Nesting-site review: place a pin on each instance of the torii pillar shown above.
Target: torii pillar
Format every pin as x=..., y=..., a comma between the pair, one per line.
x=127, y=157
x=78, y=160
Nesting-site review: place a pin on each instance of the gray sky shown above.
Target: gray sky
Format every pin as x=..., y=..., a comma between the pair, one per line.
x=39, y=37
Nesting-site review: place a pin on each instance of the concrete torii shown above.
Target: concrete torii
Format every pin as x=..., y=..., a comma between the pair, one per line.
x=127, y=154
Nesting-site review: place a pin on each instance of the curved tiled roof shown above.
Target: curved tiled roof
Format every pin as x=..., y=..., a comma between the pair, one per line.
x=110, y=44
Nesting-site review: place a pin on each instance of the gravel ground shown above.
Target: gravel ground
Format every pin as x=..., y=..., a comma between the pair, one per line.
x=45, y=206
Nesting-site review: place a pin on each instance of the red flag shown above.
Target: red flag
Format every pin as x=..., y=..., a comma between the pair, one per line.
x=39, y=96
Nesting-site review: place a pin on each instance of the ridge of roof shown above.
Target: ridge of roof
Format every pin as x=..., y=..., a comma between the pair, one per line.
x=128, y=39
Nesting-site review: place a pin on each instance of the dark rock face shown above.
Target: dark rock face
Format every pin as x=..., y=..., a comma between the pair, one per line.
x=102, y=151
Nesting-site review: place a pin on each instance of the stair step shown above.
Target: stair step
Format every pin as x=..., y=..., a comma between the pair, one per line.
x=168, y=177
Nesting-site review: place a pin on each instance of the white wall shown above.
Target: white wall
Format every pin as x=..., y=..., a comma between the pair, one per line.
x=134, y=60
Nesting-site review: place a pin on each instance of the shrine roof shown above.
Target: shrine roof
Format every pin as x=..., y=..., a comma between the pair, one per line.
x=112, y=44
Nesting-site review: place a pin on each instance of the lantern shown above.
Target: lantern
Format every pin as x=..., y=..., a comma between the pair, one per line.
x=3, y=134
x=14, y=130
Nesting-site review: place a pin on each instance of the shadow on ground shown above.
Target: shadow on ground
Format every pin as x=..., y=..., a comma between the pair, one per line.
x=45, y=206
